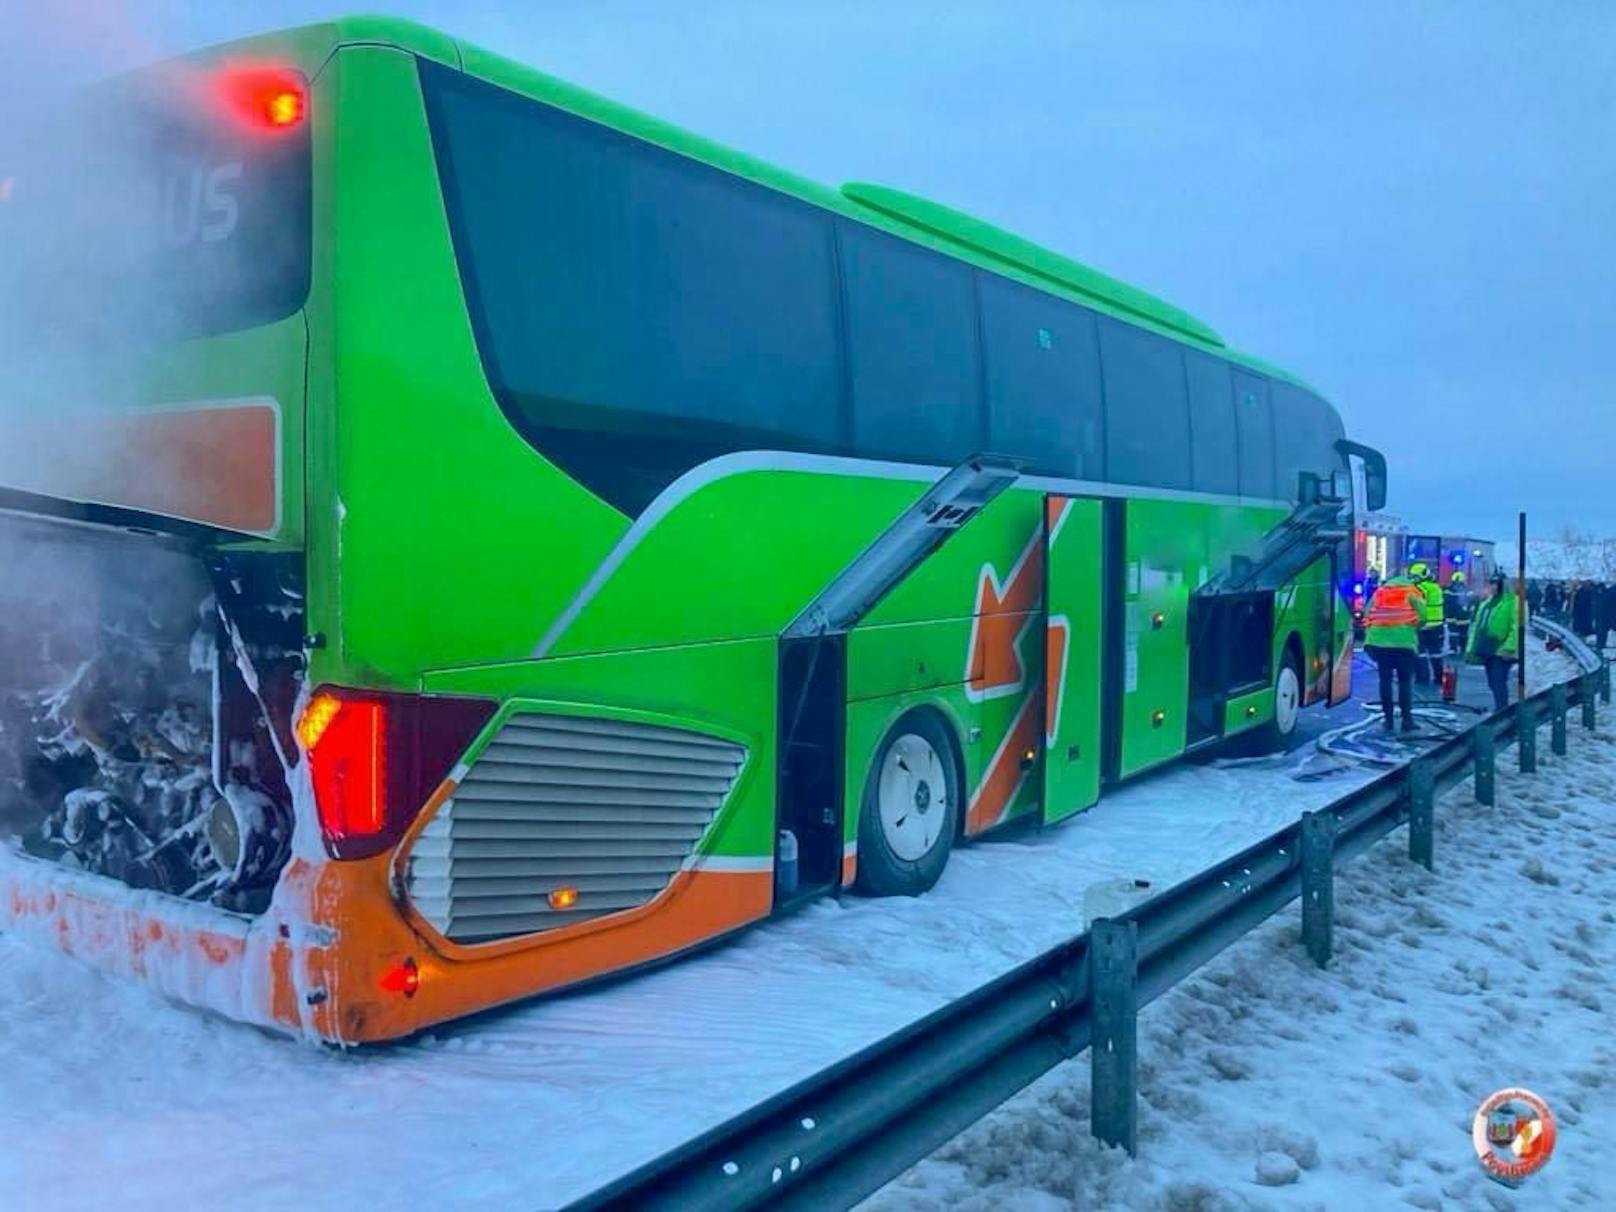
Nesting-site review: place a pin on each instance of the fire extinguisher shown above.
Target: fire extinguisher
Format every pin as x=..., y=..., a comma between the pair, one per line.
x=1450, y=684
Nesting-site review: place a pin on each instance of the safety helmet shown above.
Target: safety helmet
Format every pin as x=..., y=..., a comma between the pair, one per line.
x=1419, y=570
x=1458, y=578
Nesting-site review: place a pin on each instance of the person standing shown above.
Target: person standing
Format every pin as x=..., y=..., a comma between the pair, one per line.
x=1391, y=627
x=1433, y=625
x=1552, y=600
x=1495, y=637
x=1582, y=609
x=1539, y=595
x=1456, y=608
x=1605, y=614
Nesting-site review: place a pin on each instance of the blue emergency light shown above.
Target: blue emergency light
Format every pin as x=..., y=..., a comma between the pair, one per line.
x=1458, y=557
x=1358, y=588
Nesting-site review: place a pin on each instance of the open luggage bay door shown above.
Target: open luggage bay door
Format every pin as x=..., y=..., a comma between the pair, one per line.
x=1074, y=564
x=145, y=671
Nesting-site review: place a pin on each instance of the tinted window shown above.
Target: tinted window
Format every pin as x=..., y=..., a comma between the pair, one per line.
x=911, y=324
x=1043, y=379
x=1305, y=433
x=1214, y=446
x=638, y=312
x=1256, y=428
x=1147, y=425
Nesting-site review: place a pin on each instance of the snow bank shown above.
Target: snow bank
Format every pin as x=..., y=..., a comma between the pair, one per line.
x=1266, y=1083
x=1574, y=558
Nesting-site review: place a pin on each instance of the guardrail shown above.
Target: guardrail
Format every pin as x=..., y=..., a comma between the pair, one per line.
x=840, y=1135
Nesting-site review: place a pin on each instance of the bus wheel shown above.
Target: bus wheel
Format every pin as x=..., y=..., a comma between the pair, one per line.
x=910, y=811
x=1276, y=734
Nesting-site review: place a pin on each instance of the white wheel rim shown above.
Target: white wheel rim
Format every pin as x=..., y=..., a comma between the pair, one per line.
x=1287, y=700
x=912, y=797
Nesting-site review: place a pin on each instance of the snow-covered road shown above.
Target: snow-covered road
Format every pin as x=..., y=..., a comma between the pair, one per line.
x=1267, y=1083
x=111, y=1096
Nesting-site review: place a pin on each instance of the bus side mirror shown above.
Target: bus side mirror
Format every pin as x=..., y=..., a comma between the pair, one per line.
x=1374, y=471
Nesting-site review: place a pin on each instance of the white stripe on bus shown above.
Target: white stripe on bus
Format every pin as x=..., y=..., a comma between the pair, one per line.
x=742, y=461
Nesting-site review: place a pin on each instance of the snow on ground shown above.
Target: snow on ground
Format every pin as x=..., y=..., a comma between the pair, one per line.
x=110, y=1095
x=1268, y=1083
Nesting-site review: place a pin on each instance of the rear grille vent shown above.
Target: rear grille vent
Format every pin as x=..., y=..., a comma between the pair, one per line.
x=607, y=809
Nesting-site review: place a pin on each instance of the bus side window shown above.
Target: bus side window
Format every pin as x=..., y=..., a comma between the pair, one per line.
x=912, y=359
x=1305, y=433
x=1256, y=428
x=1214, y=447
x=1042, y=366
x=1147, y=422
x=637, y=312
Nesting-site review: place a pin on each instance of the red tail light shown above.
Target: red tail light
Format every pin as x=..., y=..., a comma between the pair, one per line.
x=402, y=978
x=347, y=743
x=263, y=98
x=375, y=759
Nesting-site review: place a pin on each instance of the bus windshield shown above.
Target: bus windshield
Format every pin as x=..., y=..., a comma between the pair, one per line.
x=172, y=205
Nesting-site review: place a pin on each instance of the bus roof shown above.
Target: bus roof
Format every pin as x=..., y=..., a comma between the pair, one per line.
x=920, y=220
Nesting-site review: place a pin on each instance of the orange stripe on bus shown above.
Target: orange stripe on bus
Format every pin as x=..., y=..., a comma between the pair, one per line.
x=215, y=464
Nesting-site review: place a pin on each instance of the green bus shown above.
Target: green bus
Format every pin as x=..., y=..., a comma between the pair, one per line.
x=602, y=540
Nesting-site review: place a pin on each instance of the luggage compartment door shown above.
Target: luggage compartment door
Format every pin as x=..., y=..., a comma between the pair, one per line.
x=1075, y=567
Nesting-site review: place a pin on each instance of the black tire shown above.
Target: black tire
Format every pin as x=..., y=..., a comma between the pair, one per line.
x=1275, y=735
x=883, y=870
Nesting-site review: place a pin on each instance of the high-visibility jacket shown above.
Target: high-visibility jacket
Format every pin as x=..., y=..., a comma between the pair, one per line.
x=1496, y=629
x=1394, y=616
x=1431, y=614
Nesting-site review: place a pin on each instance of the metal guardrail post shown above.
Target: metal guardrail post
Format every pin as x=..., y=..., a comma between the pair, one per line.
x=1485, y=751
x=1421, y=812
x=1318, y=884
x=1585, y=694
x=1526, y=735
x=1114, y=1044
x=1604, y=681
x=1557, y=714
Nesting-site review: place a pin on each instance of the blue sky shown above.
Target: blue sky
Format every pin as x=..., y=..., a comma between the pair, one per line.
x=1411, y=206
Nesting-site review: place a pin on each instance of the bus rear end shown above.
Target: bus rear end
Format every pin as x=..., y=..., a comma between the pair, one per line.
x=157, y=241
x=240, y=526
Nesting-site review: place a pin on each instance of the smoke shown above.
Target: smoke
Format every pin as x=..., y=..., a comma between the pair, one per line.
x=68, y=194
x=80, y=277
x=139, y=212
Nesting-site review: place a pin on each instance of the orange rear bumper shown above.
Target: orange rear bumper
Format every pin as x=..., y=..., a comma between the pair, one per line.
x=324, y=960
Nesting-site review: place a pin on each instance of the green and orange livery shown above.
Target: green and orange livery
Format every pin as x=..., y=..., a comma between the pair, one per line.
x=576, y=418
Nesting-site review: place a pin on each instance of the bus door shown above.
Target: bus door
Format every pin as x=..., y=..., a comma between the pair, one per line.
x=1074, y=572
x=1339, y=627
x=811, y=688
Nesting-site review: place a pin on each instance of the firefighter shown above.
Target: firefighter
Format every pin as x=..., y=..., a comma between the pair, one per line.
x=1495, y=638
x=1433, y=626
x=1391, y=628
x=1456, y=608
